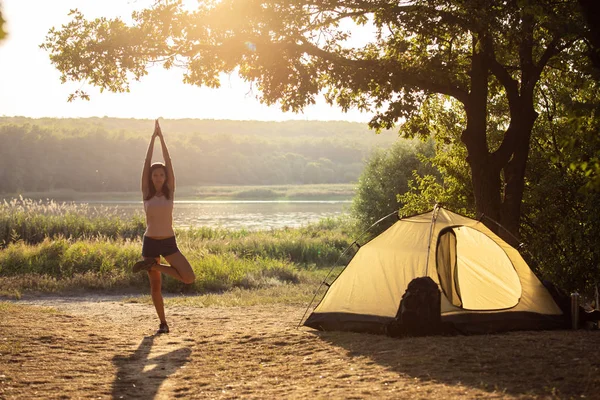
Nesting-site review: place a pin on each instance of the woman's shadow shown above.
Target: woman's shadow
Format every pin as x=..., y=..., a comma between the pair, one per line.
x=140, y=376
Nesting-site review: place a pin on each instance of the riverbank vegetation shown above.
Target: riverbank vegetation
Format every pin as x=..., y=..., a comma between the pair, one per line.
x=59, y=247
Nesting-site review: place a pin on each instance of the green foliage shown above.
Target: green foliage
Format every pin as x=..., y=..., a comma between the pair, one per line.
x=61, y=258
x=411, y=51
x=561, y=221
x=386, y=175
x=221, y=272
x=423, y=193
x=442, y=119
x=318, y=244
x=560, y=227
x=488, y=56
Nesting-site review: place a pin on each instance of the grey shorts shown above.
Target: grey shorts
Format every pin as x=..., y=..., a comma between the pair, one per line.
x=159, y=247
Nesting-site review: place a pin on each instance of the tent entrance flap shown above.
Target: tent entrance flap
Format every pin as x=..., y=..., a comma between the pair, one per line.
x=446, y=266
x=474, y=271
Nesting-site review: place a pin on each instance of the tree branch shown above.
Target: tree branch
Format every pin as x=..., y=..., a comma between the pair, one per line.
x=378, y=65
x=552, y=50
x=501, y=73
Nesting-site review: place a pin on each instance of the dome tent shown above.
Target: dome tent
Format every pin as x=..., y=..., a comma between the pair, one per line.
x=485, y=284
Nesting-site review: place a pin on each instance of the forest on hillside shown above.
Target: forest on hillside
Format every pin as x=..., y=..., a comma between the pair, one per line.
x=106, y=154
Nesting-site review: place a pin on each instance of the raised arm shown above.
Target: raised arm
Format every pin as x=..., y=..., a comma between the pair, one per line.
x=146, y=170
x=166, y=157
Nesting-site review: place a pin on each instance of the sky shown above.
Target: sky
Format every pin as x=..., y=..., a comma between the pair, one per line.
x=30, y=86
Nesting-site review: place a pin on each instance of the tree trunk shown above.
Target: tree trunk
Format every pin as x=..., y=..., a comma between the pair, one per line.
x=485, y=174
x=496, y=198
x=514, y=171
x=486, y=189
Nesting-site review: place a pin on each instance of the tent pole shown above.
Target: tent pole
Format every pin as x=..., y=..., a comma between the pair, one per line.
x=431, y=226
x=323, y=283
x=521, y=246
x=506, y=230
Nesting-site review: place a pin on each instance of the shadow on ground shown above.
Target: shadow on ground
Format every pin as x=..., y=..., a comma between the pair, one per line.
x=547, y=363
x=141, y=375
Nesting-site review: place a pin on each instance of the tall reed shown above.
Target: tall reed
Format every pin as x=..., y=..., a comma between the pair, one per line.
x=32, y=221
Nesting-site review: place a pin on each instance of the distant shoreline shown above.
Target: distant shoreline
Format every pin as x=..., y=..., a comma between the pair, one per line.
x=285, y=201
x=263, y=193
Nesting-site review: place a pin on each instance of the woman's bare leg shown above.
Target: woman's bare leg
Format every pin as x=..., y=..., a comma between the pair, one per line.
x=179, y=269
x=156, y=293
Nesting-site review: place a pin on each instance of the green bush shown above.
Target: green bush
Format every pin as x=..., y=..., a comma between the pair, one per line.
x=386, y=175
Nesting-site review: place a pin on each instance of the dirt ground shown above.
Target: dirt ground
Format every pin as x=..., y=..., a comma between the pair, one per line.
x=104, y=347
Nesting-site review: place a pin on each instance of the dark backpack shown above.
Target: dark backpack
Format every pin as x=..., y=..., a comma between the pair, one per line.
x=419, y=313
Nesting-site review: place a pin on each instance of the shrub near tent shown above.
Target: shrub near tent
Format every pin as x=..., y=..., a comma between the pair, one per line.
x=485, y=284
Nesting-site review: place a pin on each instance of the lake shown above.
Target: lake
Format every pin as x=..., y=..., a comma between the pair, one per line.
x=238, y=214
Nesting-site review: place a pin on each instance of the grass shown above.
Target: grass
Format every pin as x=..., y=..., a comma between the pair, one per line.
x=281, y=293
x=55, y=266
x=61, y=247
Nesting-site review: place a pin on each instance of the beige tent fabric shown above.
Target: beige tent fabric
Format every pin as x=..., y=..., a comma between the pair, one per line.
x=491, y=275
x=485, y=274
x=375, y=279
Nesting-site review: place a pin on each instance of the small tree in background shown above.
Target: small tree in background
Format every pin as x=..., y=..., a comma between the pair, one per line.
x=386, y=175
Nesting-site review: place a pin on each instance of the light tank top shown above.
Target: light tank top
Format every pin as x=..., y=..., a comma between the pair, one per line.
x=159, y=217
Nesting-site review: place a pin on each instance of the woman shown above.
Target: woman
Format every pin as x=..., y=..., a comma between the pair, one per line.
x=158, y=188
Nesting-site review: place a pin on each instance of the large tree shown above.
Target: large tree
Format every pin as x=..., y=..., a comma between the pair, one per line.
x=478, y=52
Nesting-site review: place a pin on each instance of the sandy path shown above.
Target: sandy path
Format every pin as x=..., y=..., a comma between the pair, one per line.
x=104, y=348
